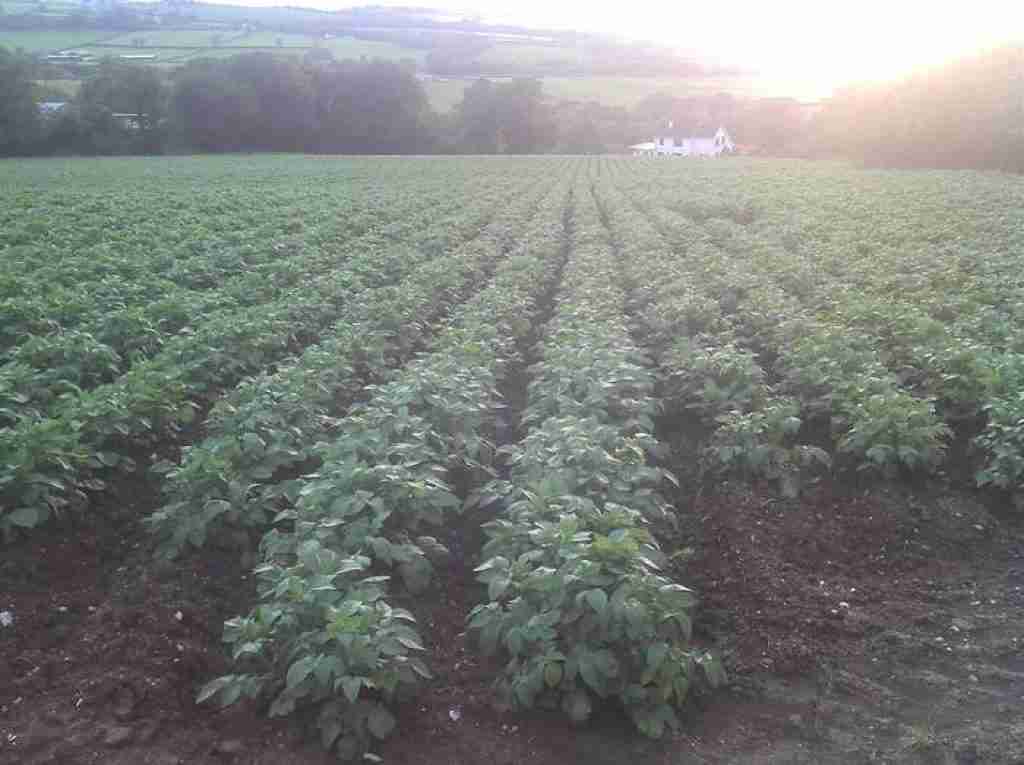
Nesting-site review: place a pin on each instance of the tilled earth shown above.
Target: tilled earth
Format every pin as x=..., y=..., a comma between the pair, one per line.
x=869, y=626
x=889, y=623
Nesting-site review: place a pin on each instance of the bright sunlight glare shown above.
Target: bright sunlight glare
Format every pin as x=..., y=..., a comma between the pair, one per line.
x=820, y=40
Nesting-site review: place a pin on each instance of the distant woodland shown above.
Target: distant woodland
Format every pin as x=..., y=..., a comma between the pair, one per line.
x=967, y=114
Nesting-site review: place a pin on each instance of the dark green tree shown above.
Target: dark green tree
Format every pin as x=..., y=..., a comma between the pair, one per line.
x=125, y=88
x=19, y=114
x=253, y=102
x=477, y=119
x=375, y=107
x=210, y=111
x=278, y=93
x=510, y=118
x=527, y=122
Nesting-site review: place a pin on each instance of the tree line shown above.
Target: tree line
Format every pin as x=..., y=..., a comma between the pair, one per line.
x=261, y=102
x=968, y=114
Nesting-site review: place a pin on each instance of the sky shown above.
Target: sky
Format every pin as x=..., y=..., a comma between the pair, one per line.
x=845, y=42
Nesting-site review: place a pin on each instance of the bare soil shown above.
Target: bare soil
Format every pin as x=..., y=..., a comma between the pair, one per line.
x=869, y=626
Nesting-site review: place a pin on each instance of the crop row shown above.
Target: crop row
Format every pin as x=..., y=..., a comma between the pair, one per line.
x=577, y=602
x=839, y=379
x=271, y=423
x=947, y=309
x=324, y=638
x=45, y=228
x=47, y=462
x=953, y=338
x=921, y=236
x=945, y=251
x=53, y=282
x=44, y=366
x=709, y=381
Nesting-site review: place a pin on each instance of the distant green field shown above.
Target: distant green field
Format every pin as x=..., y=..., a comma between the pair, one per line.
x=224, y=52
x=629, y=91
x=230, y=43
x=270, y=40
x=46, y=41
x=351, y=47
x=511, y=57
x=342, y=47
x=174, y=38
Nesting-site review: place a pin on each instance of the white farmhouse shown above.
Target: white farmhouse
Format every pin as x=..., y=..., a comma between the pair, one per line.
x=675, y=144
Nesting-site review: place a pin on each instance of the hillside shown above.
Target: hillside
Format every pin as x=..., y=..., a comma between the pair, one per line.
x=447, y=53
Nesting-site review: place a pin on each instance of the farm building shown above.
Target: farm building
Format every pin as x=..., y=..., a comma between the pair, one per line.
x=677, y=143
x=50, y=108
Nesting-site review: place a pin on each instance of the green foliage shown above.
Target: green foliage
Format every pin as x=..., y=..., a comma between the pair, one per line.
x=117, y=87
x=763, y=444
x=713, y=380
x=266, y=102
x=19, y=118
x=1003, y=443
x=271, y=423
x=506, y=118
x=706, y=371
x=576, y=600
x=323, y=638
x=346, y=338
x=774, y=302
x=876, y=422
x=67, y=397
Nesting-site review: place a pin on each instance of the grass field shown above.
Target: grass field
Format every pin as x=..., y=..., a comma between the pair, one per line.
x=225, y=52
x=351, y=47
x=576, y=459
x=173, y=38
x=48, y=42
x=270, y=39
x=342, y=47
x=629, y=91
x=502, y=58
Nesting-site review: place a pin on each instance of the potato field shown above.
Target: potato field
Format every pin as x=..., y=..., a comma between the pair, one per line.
x=509, y=460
